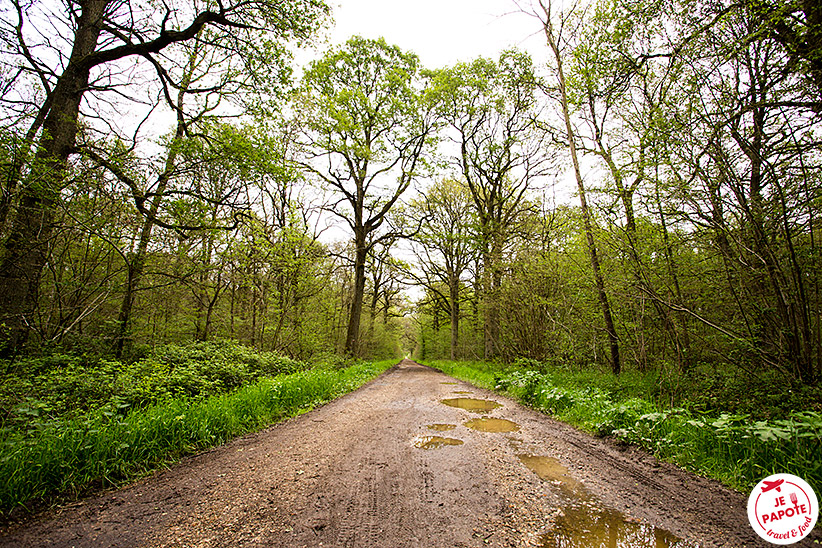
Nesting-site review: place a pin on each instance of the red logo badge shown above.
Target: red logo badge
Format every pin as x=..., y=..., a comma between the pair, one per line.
x=783, y=509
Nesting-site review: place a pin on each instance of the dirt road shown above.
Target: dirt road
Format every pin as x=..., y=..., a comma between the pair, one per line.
x=367, y=470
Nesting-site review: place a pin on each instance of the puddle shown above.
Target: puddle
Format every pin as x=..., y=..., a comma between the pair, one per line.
x=585, y=523
x=486, y=424
x=434, y=442
x=462, y=392
x=442, y=427
x=550, y=470
x=449, y=383
x=472, y=404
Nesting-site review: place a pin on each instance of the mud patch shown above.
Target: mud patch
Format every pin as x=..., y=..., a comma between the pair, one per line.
x=486, y=424
x=434, y=442
x=472, y=404
x=585, y=523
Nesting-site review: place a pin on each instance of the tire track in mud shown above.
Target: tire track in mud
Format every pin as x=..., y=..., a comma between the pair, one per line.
x=348, y=474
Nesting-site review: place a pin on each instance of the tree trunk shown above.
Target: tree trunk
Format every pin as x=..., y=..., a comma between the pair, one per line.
x=209, y=313
x=454, y=296
x=790, y=328
x=682, y=341
x=613, y=339
x=491, y=281
x=254, y=318
x=489, y=315
x=136, y=267
x=137, y=263
x=626, y=196
x=27, y=247
x=353, y=332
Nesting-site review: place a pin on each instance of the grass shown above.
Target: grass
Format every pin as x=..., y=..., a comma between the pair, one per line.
x=738, y=449
x=62, y=459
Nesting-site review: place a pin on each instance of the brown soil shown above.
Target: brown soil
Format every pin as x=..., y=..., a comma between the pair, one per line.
x=358, y=472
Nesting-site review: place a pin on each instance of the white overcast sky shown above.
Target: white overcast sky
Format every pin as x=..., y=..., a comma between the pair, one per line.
x=440, y=32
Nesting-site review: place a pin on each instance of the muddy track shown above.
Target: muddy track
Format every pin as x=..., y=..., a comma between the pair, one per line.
x=351, y=474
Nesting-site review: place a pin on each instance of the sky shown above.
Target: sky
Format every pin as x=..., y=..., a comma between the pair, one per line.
x=440, y=32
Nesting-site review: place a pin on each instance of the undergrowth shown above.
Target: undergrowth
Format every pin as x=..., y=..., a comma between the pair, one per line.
x=738, y=449
x=38, y=389
x=149, y=413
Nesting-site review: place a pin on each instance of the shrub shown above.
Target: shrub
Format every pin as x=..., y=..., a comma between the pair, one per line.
x=61, y=386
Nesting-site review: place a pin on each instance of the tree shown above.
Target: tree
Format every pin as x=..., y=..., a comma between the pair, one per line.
x=445, y=246
x=105, y=34
x=797, y=26
x=757, y=135
x=383, y=292
x=554, y=46
x=136, y=259
x=491, y=109
x=85, y=266
x=368, y=123
x=620, y=87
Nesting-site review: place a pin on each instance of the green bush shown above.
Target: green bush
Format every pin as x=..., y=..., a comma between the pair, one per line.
x=61, y=386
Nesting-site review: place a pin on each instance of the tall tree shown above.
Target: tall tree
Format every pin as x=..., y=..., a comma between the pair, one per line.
x=757, y=132
x=553, y=40
x=137, y=258
x=492, y=110
x=619, y=87
x=444, y=246
x=368, y=123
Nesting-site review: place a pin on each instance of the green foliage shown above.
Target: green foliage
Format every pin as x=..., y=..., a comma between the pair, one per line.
x=761, y=394
x=54, y=387
x=734, y=448
x=113, y=443
x=361, y=101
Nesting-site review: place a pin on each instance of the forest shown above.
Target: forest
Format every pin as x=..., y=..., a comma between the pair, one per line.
x=187, y=213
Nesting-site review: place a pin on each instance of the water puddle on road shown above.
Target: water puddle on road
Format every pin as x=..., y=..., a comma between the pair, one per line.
x=434, y=442
x=441, y=427
x=486, y=424
x=584, y=523
x=587, y=525
x=472, y=404
x=449, y=383
x=552, y=471
x=462, y=392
